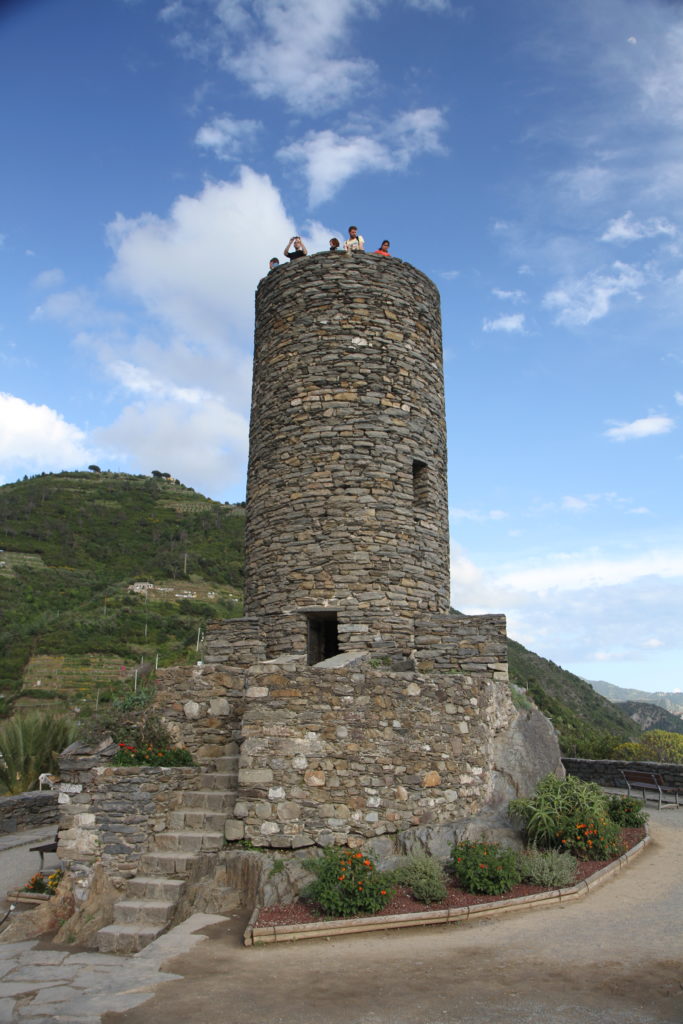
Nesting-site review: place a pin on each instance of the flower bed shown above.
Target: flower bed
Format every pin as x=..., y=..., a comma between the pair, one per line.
x=305, y=912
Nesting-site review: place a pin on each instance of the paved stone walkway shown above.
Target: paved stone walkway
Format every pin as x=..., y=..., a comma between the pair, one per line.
x=41, y=985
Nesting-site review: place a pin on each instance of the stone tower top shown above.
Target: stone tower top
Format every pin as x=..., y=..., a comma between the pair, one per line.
x=347, y=514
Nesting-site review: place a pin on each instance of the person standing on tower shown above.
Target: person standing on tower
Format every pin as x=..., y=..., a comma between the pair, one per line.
x=355, y=242
x=384, y=248
x=299, y=248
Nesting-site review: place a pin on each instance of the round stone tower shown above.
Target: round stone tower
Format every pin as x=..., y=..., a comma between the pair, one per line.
x=347, y=511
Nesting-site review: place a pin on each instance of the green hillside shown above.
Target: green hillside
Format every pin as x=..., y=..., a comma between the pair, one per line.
x=588, y=724
x=71, y=547
x=74, y=628
x=651, y=716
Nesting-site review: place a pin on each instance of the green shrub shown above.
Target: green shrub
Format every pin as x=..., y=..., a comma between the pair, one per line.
x=485, y=867
x=347, y=884
x=591, y=838
x=627, y=811
x=30, y=744
x=655, y=745
x=556, y=804
x=130, y=720
x=156, y=757
x=424, y=876
x=547, y=867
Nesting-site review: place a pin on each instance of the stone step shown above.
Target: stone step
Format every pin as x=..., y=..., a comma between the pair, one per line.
x=170, y=863
x=219, y=780
x=227, y=764
x=155, y=887
x=193, y=819
x=211, y=799
x=126, y=938
x=191, y=842
x=143, y=912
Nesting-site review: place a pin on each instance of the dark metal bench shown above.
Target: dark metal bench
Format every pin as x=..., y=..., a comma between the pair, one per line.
x=45, y=848
x=650, y=782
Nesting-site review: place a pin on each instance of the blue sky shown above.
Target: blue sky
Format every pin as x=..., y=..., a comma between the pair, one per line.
x=527, y=156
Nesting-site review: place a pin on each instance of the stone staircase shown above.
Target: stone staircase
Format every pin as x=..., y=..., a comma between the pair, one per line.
x=196, y=828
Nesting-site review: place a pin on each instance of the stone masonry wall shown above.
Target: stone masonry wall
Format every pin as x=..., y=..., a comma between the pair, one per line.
x=235, y=641
x=468, y=643
x=202, y=706
x=110, y=814
x=346, y=498
x=608, y=773
x=28, y=810
x=346, y=755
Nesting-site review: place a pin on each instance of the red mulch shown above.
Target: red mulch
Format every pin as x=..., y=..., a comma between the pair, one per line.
x=403, y=903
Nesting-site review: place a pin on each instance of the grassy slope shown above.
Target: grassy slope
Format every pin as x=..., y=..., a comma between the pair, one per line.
x=581, y=716
x=73, y=542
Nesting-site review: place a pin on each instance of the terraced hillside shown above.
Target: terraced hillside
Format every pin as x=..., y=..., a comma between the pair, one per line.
x=73, y=546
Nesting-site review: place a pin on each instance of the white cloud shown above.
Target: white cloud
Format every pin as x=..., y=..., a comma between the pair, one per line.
x=296, y=50
x=510, y=323
x=35, y=435
x=141, y=381
x=196, y=269
x=78, y=308
x=475, y=516
x=49, y=278
x=662, y=85
x=183, y=362
x=568, y=605
x=627, y=229
x=329, y=159
x=514, y=296
x=185, y=373
x=585, y=184
x=173, y=10
x=227, y=136
x=648, y=426
x=582, y=300
x=679, y=398
x=581, y=571
x=204, y=444
x=574, y=504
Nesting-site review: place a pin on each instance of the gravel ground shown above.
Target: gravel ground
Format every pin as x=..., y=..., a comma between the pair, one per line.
x=613, y=957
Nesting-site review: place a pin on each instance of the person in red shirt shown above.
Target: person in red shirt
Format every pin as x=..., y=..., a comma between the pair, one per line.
x=383, y=249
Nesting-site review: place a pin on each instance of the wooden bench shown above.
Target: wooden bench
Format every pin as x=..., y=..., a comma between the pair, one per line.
x=45, y=848
x=649, y=782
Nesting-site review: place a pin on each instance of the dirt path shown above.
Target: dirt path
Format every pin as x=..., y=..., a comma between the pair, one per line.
x=614, y=957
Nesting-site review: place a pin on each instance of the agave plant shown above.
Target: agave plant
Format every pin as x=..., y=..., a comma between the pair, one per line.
x=31, y=744
x=556, y=802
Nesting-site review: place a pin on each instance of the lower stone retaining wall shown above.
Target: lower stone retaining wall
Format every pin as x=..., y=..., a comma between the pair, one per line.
x=28, y=811
x=110, y=814
x=343, y=755
x=608, y=773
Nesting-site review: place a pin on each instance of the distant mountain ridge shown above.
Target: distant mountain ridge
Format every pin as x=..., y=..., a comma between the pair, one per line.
x=671, y=701
x=651, y=716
